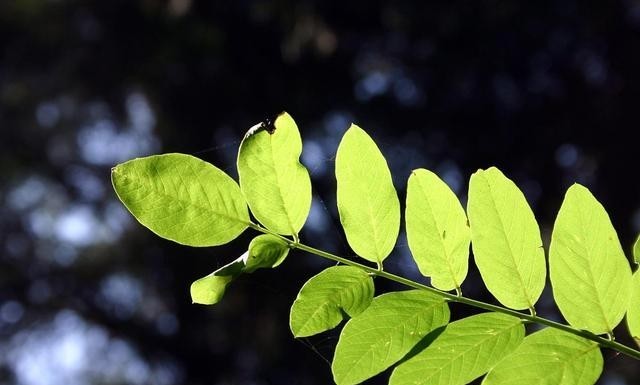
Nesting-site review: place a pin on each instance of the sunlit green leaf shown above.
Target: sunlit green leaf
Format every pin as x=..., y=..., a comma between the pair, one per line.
x=209, y=290
x=633, y=314
x=589, y=272
x=385, y=332
x=437, y=230
x=265, y=251
x=636, y=251
x=464, y=351
x=182, y=198
x=505, y=238
x=327, y=297
x=367, y=201
x=549, y=356
x=275, y=183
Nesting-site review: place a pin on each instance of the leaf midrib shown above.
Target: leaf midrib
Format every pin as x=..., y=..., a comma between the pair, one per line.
x=164, y=194
x=441, y=243
x=504, y=233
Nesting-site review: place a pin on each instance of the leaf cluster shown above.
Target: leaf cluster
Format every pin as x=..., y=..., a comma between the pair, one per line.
x=189, y=201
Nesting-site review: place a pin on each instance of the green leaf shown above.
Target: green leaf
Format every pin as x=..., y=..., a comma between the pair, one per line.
x=182, y=198
x=464, y=351
x=590, y=274
x=275, y=183
x=437, y=230
x=633, y=314
x=549, y=356
x=636, y=251
x=265, y=251
x=209, y=290
x=367, y=201
x=326, y=297
x=505, y=239
x=384, y=333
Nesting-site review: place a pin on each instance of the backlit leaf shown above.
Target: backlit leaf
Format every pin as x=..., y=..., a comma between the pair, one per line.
x=505, y=239
x=385, y=332
x=182, y=198
x=367, y=201
x=464, y=351
x=437, y=230
x=275, y=183
x=549, y=356
x=636, y=251
x=633, y=314
x=265, y=251
x=325, y=299
x=589, y=272
x=209, y=290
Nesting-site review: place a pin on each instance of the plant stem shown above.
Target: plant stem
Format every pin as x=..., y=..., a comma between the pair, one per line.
x=605, y=342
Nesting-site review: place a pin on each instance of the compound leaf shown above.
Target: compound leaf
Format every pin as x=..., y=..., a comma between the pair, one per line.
x=182, y=198
x=437, y=230
x=367, y=201
x=275, y=183
x=589, y=272
x=385, y=332
x=549, y=356
x=633, y=314
x=464, y=351
x=265, y=251
x=324, y=299
x=505, y=239
x=209, y=290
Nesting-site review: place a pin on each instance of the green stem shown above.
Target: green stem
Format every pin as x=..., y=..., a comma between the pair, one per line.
x=608, y=343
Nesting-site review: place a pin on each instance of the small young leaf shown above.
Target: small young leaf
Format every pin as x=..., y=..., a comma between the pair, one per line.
x=209, y=290
x=275, y=183
x=437, y=230
x=367, y=201
x=636, y=251
x=633, y=314
x=505, y=239
x=464, y=351
x=325, y=298
x=385, y=332
x=549, y=356
x=182, y=198
x=589, y=272
x=265, y=251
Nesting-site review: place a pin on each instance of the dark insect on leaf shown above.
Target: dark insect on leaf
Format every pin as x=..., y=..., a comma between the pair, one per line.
x=269, y=124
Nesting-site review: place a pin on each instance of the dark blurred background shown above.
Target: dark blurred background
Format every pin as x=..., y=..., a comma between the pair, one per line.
x=547, y=91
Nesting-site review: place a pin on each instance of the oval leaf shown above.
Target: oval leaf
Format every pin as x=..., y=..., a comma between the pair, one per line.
x=549, y=356
x=505, y=239
x=209, y=290
x=590, y=275
x=464, y=351
x=384, y=333
x=367, y=201
x=437, y=230
x=636, y=251
x=265, y=251
x=275, y=183
x=182, y=198
x=633, y=314
x=325, y=298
